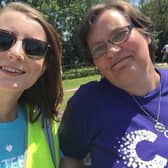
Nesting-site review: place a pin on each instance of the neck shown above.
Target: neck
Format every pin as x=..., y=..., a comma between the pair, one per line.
x=148, y=82
x=9, y=107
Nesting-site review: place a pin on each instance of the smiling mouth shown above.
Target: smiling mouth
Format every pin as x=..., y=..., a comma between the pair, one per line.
x=11, y=70
x=119, y=61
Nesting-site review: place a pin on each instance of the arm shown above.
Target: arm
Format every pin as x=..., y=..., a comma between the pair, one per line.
x=68, y=162
x=73, y=136
x=78, y=128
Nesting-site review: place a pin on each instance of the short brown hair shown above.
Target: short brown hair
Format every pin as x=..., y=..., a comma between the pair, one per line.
x=133, y=15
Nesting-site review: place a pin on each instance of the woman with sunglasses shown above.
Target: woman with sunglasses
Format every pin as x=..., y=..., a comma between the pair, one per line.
x=121, y=120
x=30, y=88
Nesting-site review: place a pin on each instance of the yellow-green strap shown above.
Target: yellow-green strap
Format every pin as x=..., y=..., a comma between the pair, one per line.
x=38, y=152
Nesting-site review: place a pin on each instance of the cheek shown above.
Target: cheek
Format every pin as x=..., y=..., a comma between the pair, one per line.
x=132, y=44
x=37, y=69
x=138, y=45
x=1, y=54
x=99, y=63
x=102, y=65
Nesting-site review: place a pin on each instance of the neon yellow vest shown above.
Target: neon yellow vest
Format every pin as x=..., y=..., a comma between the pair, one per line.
x=38, y=153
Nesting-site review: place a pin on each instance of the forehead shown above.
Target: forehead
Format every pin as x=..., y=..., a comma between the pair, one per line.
x=21, y=24
x=110, y=16
x=108, y=21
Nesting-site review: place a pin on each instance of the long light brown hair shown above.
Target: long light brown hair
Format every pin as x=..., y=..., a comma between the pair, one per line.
x=46, y=94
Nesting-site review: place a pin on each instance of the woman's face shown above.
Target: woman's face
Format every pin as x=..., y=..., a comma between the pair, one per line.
x=120, y=52
x=18, y=71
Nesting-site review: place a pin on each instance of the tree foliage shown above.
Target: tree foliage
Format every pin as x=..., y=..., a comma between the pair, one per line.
x=66, y=16
x=157, y=11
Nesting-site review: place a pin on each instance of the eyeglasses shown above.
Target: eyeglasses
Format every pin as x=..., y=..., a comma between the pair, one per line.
x=117, y=37
x=34, y=49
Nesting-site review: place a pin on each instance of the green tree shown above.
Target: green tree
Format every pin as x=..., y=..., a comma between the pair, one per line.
x=157, y=11
x=66, y=16
x=70, y=15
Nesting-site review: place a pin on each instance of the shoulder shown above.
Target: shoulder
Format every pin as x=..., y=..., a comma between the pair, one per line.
x=90, y=98
x=85, y=95
x=164, y=78
x=85, y=89
x=93, y=90
x=86, y=101
x=163, y=72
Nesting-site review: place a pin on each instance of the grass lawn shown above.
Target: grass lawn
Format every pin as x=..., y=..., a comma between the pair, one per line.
x=75, y=83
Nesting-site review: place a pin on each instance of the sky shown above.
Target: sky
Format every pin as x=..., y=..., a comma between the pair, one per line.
x=135, y=2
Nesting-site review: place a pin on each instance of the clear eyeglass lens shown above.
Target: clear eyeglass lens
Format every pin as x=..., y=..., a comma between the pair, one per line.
x=99, y=50
x=116, y=38
x=119, y=37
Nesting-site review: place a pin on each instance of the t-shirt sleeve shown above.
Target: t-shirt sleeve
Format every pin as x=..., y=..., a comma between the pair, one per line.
x=78, y=126
x=72, y=133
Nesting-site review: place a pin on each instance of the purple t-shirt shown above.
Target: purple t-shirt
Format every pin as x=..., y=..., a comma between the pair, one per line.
x=106, y=121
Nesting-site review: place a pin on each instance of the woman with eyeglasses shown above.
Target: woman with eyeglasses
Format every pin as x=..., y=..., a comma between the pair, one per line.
x=30, y=88
x=121, y=120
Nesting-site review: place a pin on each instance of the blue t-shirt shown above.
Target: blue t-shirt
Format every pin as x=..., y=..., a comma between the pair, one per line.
x=13, y=141
x=106, y=122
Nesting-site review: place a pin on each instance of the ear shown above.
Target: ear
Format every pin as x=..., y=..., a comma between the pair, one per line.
x=148, y=38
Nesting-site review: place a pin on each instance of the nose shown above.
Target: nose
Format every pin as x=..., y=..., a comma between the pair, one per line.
x=16, y=52
x=112, y=49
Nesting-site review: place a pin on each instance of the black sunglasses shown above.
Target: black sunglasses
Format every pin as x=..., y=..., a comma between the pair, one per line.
x=35, y=49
